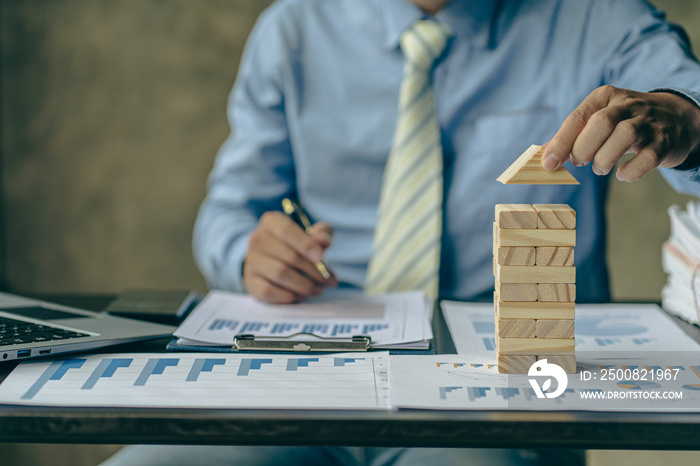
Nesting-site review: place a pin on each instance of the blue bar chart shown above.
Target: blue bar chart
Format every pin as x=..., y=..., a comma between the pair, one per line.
x=203, y=365
x=454, y=382
x=601, y=328
x=346, y=381
x=294, y=364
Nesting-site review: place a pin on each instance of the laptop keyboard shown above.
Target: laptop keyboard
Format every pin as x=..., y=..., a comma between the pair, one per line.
x=14, y=332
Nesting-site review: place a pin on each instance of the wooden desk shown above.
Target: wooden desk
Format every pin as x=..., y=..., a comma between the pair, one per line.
x=502, y=429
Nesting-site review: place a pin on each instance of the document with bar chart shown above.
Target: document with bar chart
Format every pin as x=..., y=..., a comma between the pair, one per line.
x=667, y=382
x=397, y=320
x=600, y=328
x=186, y=380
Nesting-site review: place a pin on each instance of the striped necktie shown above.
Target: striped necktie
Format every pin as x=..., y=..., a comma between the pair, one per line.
x=407, y=236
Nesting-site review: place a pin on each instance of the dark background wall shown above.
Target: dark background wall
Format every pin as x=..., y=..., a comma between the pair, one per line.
x=111, y=114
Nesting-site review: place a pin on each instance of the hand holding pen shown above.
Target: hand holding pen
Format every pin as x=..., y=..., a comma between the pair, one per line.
x=284, y=259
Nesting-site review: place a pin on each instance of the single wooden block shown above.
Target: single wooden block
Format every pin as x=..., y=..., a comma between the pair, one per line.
x=516, y=328
x=559, y=292
x=547, y=328
x=534, y=310
x=568, y=363
x=554, y=256
x=527, y=169
x=556, y=216
x=516, y=291
x=555, y=346
x=535, y=274
x=516, y=216
x=514, y=255
x=515, y=363
x=506, y=237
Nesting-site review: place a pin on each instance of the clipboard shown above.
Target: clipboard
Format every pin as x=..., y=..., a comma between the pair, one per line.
x=313, y=343
x=173, y=345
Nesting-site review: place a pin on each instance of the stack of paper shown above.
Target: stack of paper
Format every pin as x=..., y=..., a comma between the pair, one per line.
x=392, y=321
x=681, y=260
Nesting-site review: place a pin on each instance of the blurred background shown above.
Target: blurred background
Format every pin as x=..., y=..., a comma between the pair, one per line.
x=111, y=114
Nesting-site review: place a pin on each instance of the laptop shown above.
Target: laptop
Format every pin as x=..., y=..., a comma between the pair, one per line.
x=32, y=328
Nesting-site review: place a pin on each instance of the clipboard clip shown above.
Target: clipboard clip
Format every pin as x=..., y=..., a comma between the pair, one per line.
x=249, y=342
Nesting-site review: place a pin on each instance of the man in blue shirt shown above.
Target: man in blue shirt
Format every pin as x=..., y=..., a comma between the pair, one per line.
x=314, y=110
x=313, y=114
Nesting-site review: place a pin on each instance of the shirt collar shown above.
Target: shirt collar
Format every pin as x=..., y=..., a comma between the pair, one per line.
x=470, y=19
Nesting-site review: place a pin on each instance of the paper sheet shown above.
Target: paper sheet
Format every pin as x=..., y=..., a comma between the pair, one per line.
x=392, y=320
x=680, y=257
x=473, y=382
x=601, y=328
x=186, y=380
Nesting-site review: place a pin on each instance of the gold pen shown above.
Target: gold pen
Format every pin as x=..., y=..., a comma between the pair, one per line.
x=297, y=214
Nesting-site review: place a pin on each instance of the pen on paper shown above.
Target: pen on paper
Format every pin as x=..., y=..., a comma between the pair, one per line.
x=296, y=213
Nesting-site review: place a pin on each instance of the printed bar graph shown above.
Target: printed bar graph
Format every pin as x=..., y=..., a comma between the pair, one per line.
x=340, y=362
x=366, y=328
x=343, y=329
x=248, y=365
x=154, y=367
x=223, y=324
x=283, y=327
x=294, y=363
x=490, y=343
x=475, y=393
x=432, y=382
x=445, y=390
x=55, y=371
x=507, y=392
x=203, y=365
x=315, y=328
x=607, y=341
x=106, y=368
x=186, y=380
x=251, y=327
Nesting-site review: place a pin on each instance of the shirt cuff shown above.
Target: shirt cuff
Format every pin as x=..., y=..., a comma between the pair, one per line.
x=234, y=275
x=692, y=163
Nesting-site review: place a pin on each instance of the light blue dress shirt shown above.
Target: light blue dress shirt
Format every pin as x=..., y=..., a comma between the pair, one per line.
x=314, y=108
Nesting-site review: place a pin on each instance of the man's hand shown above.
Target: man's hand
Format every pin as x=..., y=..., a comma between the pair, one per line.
x=660, y=127
x=280, y=264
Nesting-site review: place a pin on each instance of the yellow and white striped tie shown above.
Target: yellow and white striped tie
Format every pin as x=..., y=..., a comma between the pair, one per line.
x=407, y=237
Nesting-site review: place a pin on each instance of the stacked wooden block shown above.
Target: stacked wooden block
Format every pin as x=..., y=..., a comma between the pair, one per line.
x=535, y=285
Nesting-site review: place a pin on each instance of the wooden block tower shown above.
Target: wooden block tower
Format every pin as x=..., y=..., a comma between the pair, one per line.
x=533, y=264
